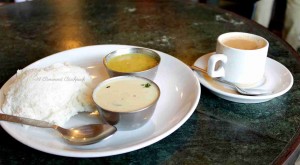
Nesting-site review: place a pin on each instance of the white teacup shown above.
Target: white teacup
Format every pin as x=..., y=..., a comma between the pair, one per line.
x=240, y=58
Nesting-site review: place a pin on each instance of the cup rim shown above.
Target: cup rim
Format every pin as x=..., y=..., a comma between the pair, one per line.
x=126, y=76
x=221, y=37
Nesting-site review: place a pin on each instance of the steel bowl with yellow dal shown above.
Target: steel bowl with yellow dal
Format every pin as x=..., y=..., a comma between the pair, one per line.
x=132, y=61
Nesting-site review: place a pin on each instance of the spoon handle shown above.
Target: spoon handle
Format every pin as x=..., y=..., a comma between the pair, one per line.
x=26, y=121
x=199, y=69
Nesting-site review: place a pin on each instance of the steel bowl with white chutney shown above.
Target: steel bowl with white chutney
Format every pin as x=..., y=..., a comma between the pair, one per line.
x=127, y=107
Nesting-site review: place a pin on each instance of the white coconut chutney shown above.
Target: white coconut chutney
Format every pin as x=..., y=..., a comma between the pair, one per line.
x=126, y=94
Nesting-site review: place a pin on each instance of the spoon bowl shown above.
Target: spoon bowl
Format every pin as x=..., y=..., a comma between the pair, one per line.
x=83, y=135
x=87, y=134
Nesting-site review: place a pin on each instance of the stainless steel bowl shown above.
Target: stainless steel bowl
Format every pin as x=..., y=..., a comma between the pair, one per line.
x=126, y=120
x=150, y=73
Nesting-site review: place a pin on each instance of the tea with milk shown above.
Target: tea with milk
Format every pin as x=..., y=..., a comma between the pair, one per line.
x=240, y=43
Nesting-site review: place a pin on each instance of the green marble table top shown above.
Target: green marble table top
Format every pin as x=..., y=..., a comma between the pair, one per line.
x=218, y=132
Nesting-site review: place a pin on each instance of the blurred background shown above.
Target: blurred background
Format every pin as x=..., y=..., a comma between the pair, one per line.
x=246, y=8
x=268, y=13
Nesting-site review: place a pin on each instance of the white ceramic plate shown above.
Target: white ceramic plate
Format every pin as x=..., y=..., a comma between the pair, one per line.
x=277, y=78
x=180, y=94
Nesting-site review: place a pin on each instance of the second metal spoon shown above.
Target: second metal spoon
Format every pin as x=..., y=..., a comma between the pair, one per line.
x=83, y=135
x=248, y=91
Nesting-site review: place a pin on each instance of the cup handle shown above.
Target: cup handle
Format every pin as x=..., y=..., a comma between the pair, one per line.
x=220, y=72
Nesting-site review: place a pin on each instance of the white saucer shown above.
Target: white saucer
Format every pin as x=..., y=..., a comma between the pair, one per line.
x=277, y=78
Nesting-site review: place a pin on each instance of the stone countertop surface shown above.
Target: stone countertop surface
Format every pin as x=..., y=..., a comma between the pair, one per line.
x=218, y=132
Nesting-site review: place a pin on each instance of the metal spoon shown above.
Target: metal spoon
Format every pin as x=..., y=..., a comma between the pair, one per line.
x=248, y=91
x=83, y=135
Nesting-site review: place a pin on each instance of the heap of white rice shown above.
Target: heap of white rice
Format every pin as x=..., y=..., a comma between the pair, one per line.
x=53, y=94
